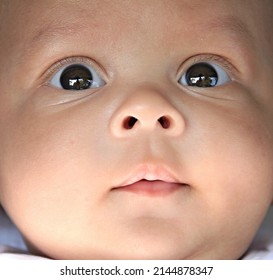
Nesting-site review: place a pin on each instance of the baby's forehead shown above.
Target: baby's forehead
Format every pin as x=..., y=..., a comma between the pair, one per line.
x=44, y=21
x=96, y=12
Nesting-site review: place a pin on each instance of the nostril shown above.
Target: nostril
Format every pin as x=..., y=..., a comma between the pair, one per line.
x=129, y=122
x=165, y=122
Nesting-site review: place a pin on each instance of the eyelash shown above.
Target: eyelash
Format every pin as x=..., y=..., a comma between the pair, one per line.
x=224, y=62
x=70, y=60
x=219, y=60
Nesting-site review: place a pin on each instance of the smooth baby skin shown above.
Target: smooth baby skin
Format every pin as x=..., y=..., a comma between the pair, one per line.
x=67, y=156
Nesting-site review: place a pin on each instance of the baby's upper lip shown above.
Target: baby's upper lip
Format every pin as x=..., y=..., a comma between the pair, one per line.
x=150, y=172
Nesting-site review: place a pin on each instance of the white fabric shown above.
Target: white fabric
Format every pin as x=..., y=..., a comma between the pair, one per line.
x=9, y=253
x=12, y=246
x=265, y=254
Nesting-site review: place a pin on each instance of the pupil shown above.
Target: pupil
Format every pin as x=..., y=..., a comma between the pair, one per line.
x=76, y=77
x=201, y=75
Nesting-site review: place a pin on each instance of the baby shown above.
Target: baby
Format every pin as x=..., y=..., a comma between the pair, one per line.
x=136, y=129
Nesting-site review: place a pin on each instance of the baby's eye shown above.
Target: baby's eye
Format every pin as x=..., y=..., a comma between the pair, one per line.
x=77, y=77
x=204, y=74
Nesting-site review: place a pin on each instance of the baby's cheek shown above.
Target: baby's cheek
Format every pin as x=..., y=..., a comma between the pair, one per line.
x=41, y=157
x=235, y=159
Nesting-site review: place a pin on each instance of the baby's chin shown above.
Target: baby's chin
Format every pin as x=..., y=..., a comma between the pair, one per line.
x=139, y=239
x=136, y=250
x=140, y=254
x=142, y=249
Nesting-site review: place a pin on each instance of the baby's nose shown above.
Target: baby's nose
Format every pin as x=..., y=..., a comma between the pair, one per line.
x=146, y=110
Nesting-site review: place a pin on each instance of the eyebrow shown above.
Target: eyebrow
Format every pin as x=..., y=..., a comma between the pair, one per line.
x=233, y=25
x=50, y=34
x=55, y=32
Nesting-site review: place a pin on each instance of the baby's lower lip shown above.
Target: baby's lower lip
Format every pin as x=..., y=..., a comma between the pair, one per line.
x=151, y=188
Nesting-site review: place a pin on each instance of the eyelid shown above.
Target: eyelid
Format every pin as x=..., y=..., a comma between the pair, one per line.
x=232, y=71
x=73, y=60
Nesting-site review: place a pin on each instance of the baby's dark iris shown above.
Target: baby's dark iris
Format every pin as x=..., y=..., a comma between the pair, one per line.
x=76, y=77
x=201, y=75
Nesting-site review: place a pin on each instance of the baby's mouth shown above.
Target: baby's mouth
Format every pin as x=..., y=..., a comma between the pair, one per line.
x=151, y=188
x=150, y=181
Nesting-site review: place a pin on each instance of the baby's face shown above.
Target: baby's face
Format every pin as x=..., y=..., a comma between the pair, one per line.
x=136, y=129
